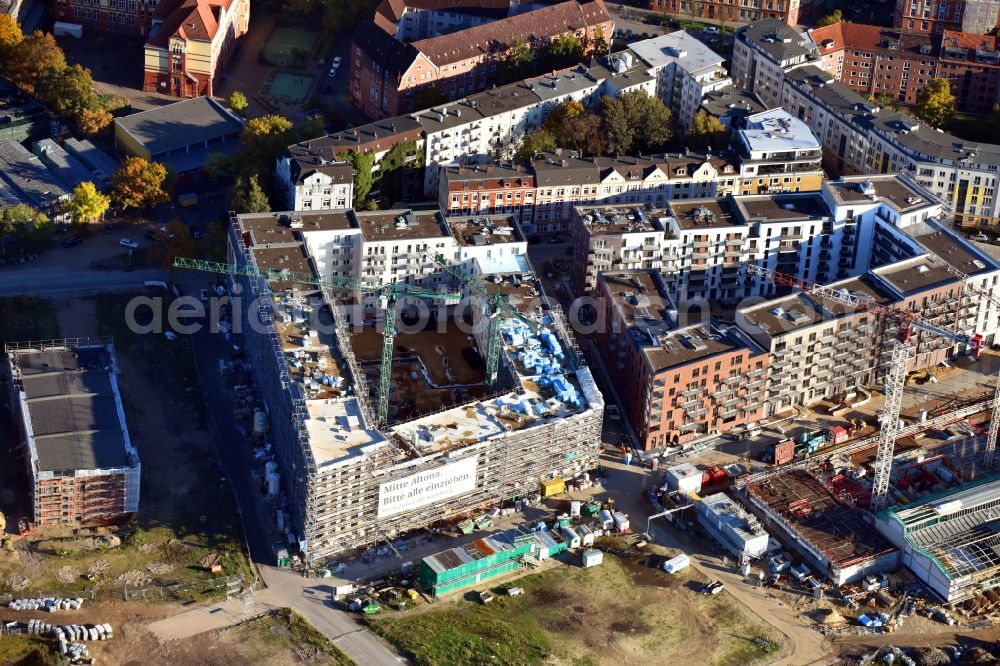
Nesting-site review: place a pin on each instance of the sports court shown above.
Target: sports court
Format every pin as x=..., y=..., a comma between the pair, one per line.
x=290, y=47
x=289, y=87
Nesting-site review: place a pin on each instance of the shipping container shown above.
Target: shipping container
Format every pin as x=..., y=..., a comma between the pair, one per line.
x=552, y=487
x=675, y=564
x=591, y=558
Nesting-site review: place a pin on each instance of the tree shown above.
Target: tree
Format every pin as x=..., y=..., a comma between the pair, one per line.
x=935, y=102
x=617, y=130
x=139, y=183
x=220, y=166
x=707, y=131
x=249, y=196
x=536, y=142
x=94, y=121
x=559, y=119
x=836, y=17
x=883, y=101
x=67, y=91
x=398, y=168
x=31, y=58
x=312, y=127
x=238, y=102
x=86, y=205
x=363, y=164
x=564, y=50
x=650, y=119
x=264, y=139
x=598, y=44
x=10, y=35
x=516, y=63
x=176, y=242
x=23, y=223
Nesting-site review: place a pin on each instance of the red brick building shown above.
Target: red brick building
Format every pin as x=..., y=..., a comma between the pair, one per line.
x=387, y=74
x=133, y=17
x=937, y=16
x=677, y=384
x=485, y=189
x=873, y=60
x=746, y=11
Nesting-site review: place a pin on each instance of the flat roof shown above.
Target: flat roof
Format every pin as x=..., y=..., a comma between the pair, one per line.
x=400, y=224
x=619, y=219
x=185, y=123
x=284, y=257
x=277, y=227
x=685, y=49
x=783, y=207
x=703, y=213
x=336, y=429
x=73, y=407
x=731, y=101
x=914, y=274
x=777, y=130
x=783, y=315
x=887, y=188
x=483, y=230
x=777, y=38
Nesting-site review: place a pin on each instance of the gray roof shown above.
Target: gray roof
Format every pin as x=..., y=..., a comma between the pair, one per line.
x=73, y=408
x=731, y=102
x=101, y=165
x=68, y=169
x=35, y=183
x=778, y=39
x=180, y=124
x=690, y=53
x=308, y=157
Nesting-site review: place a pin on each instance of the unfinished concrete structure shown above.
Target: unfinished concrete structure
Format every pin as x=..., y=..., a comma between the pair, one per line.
x=347, y=484
x=69, y=418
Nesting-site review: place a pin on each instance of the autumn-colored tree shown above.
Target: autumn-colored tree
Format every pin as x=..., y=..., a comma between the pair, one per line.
x=10, y=35
x=176, y=242
x=22, y=221
x=558, y=119
x=935, y=102
x=238, y=102
x=536, y=142
x=264, y=138
x=836, y=17
x=86, y=204
x=35, y=55
x=139, y=183
x=94, y=121
x=707, y=131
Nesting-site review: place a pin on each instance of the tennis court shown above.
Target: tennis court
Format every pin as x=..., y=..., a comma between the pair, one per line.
x=290, y=47
x=289, y=87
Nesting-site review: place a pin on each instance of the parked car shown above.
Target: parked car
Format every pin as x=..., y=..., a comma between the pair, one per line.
x=336, y=62
x=130, y=244
x=709, y=30
x=713, y=587
x=333, y=72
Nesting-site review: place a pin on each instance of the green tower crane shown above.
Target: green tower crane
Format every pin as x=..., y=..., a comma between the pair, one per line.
x=385, y=294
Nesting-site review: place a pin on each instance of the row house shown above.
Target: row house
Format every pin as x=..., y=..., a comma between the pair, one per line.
x=487, y=189
x=677, y=383
x=130, y=17
x=410, y=20
x=310, y=178
x=388, y=74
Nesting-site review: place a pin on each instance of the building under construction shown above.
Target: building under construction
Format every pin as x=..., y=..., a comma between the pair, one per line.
x=345, y=478
x=69, y=418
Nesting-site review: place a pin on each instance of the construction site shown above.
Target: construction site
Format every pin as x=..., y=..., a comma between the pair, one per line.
x=424, y=383
x=81, y=464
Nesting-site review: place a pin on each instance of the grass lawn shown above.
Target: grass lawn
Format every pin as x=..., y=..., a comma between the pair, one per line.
x=24, y=649
x=24, y=318
x=286, y=630
x=613, y=614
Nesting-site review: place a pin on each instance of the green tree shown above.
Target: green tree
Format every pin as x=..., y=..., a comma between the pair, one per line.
x=86, y=204
x=564, y=50
x=707, y=131
x=139, y=183
x=35, y=55
x=249, y=196
x=836, y=17
x=516, y=64
x=399, y=167
x=558, y=121
x=536, y=142
x=935, y=102
x=220, y=167
x=312, y=127
x=264, y=139
x=24, y=223
x=620, y=134
x=363, y=164
x=67, y=91
x=650, y=119
x=598, y=44
x=883, y=100
x=238, y=102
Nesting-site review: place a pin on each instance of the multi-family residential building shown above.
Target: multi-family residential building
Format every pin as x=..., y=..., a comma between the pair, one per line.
x=786, y=11
x=388, y=73
x=133, y=17
x=762, y=52
x=411, y=20
x=82, y=465
x=608, y=239
x=677, y=382
x=877, y=61
x=936, y=16
x=310, y=178
x=189, y=43
x=860, y=137
x=685, y=69
x=487, y=189
x=778, y=153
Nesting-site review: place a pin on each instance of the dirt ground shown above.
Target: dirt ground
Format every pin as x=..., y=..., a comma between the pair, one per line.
x=186, y=512
x=267, y=640
x=77, y=317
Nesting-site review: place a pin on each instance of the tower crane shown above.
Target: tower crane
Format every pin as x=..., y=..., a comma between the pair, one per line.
x=906, y=322
x=497, y=304
x=385, y=295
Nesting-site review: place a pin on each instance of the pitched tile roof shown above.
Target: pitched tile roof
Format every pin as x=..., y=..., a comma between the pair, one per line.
x=862, y=37
x=187, y=19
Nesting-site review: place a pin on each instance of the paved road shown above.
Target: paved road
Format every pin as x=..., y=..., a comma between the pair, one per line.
x=49, y=282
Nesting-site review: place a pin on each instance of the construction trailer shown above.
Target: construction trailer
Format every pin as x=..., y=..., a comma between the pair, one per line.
x=951, y=540
x=70, y=422
x=349, y=484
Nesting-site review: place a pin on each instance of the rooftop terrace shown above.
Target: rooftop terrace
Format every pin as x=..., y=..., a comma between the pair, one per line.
x=621, y=219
